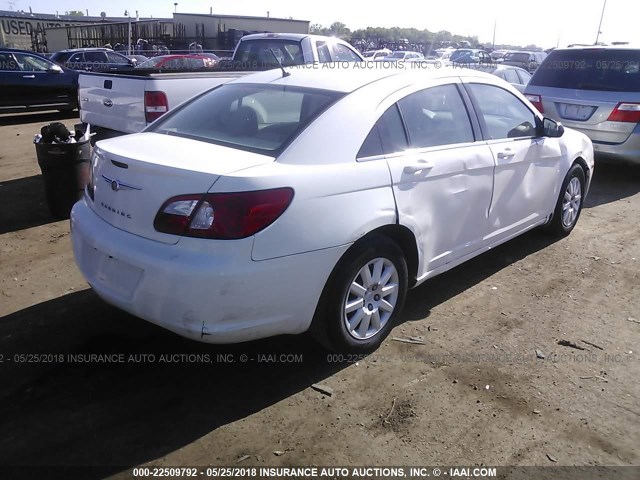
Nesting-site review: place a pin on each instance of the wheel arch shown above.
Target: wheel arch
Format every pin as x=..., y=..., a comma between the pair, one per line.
x=405, y=239
x=585, y=168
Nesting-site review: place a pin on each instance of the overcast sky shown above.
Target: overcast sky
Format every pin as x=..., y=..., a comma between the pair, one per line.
x=546, y=23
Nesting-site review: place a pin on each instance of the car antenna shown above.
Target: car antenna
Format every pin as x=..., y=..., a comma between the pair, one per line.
x=284, y=72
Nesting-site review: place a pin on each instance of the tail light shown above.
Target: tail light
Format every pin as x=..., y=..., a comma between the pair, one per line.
x=223, y=216
x=155, y=105
x=537, y=102
x=626, y=112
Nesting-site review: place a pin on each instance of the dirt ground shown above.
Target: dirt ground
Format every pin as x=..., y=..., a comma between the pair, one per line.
x=474, y=393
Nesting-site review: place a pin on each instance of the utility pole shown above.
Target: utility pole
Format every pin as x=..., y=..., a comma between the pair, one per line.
x=600, y=24
x=493, y=45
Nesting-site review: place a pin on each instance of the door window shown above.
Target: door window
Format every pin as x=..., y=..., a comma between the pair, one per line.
x=8, y=63
x=387, y=135
x=504, y=115
x=511, y=76
x=436, y=116
x=344, y=54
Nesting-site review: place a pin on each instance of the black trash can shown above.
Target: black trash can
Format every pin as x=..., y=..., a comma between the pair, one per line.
x=65, y=172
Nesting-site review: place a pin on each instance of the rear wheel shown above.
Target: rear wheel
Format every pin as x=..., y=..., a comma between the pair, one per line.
x=569, y=205
x=362, y=297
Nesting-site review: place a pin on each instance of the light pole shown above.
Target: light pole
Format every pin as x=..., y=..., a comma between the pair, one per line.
x=126, y=14
x=600, y=24
x=175, y=7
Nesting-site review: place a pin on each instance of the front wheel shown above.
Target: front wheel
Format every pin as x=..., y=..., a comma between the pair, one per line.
x=362, y=297
x=569, y=205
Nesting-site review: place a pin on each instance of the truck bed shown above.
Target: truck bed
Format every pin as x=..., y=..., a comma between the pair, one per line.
x=117, y=100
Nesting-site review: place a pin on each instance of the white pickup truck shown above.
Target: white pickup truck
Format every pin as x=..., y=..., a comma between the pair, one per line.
x=128, y=102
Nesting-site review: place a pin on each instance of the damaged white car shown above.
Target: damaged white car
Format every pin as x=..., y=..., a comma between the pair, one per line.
x=315, y=198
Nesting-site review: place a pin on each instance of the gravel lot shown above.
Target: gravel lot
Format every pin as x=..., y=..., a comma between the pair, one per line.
x=473, y=393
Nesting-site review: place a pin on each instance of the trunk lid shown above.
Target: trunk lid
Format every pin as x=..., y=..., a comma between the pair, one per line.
x=134, y=175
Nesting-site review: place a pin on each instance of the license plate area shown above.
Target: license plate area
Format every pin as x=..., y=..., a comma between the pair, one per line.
x=571, y=111
x=116, y=275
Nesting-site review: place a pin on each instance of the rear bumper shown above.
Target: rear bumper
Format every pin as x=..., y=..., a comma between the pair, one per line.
x=627, y=151
x=210, y=291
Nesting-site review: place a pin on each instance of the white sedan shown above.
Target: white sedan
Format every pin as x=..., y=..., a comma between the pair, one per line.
x=314, y=199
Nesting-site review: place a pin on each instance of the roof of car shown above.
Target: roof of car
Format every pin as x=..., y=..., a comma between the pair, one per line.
x=287, y=36
x=88, y=49
x=600, y=47
x=341, y=77
x=19, y=50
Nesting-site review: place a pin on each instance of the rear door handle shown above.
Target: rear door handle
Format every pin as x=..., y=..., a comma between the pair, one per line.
x=506, y=154
x=28, y=76
x=418, y=166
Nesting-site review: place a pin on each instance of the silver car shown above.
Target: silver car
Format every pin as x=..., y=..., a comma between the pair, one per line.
x=595, y=90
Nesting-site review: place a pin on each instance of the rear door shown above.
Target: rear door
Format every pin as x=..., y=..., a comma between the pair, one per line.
x=443, y=183
x=527, y=166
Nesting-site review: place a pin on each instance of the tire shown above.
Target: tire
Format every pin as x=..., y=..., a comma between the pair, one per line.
x=569, y=204
x=351, y=316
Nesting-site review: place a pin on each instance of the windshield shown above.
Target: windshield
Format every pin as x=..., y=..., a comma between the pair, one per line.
x=260, y=118
x=397, y=55
x=461, y=53
x=516, y=57
x=592, y=69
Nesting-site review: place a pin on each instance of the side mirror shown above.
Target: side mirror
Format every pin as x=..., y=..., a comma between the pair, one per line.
x=551, y=128
x=54, y=69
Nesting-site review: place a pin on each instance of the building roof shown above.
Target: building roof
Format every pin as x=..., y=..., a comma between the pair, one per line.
x=52, y=17
x=247, y=17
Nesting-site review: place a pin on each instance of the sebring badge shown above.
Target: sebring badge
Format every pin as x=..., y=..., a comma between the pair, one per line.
x=118, y=185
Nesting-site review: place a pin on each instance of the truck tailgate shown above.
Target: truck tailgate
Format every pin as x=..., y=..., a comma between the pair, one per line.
x=117, y=101
x=112, y=101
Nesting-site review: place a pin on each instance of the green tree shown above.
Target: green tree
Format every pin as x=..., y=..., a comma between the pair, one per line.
x=339, y=29
x=75, y=13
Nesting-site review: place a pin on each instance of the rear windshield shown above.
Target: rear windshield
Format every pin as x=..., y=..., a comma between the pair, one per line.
x=264, y=52
x=593, y=69
x=516, y=57
x=258, y=118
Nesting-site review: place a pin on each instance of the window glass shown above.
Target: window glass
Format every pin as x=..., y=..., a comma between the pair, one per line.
x=436, y=116
x=259, y=118
x=31, y=63
x=115, y=58
x=615, y=70
x=287, y=52
x=342, y=53
x=517, y=57
x=504, y=115
x=511, y=76
x=524, y=77
x=99, y=57
x=8, y=63
x=77, y=58
x=387, y=135
x=324, y=55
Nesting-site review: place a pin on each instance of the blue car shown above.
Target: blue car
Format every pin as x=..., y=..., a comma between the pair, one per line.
x=29, y=82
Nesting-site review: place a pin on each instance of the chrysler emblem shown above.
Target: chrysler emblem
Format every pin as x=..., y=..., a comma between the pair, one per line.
x=118, y=185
